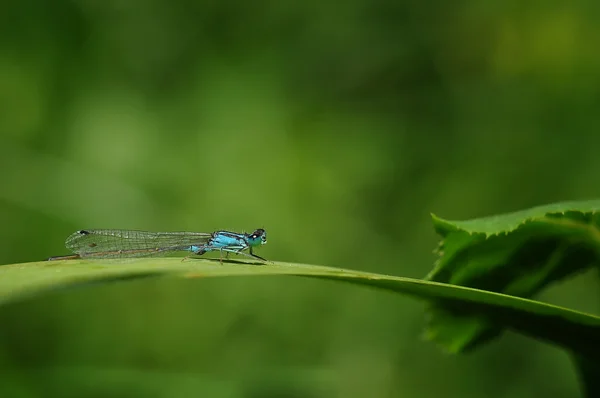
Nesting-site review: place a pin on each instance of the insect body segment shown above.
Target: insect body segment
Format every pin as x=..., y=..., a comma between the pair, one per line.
x=233, y=242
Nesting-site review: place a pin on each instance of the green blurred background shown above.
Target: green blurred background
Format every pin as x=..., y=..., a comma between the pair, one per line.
x=337, y=126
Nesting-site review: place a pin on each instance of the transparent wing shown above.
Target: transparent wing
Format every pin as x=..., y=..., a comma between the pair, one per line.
x=115, y=243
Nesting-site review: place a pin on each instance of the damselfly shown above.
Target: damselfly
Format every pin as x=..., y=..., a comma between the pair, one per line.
x=117, y=243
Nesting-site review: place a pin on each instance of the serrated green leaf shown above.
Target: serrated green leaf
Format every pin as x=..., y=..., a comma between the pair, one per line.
x=573, y=330
x=516, y=254
x=504, y=223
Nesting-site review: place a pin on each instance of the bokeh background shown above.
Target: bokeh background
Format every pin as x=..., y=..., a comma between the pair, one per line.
x=337, y=126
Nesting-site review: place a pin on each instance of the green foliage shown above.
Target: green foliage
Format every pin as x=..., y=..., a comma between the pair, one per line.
x=571, y=329
x=487, y=270
x=588, y=375
x=338, y=127
x=516, y=254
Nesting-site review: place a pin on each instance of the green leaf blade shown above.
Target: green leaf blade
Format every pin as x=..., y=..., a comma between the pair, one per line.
x=551, y=323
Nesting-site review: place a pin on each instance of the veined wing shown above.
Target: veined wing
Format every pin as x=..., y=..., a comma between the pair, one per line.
x=115, y=243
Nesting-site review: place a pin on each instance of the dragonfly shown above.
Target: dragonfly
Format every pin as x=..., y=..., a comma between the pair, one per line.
x=119, y=243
